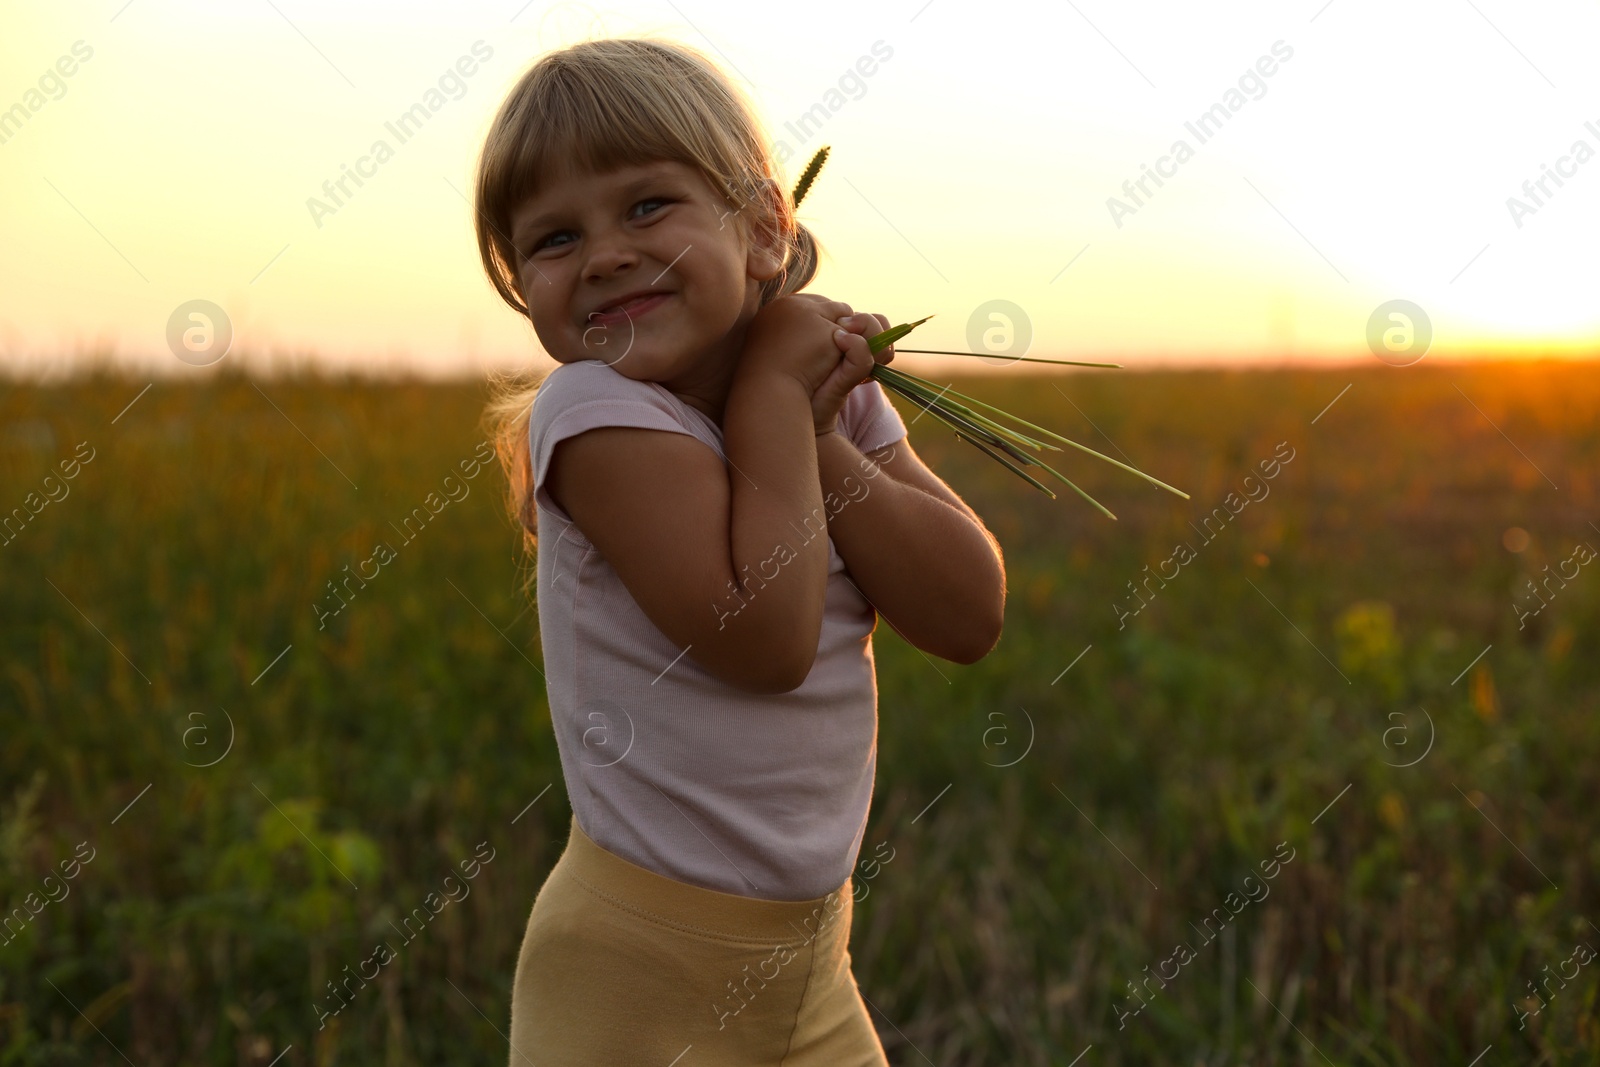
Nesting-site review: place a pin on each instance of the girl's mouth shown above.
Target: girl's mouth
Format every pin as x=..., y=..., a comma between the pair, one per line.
x=629, y=311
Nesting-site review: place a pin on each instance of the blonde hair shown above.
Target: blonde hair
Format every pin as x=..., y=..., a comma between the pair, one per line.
x=603, y=104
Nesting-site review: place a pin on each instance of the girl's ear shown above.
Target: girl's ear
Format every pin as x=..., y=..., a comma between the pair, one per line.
x=767, y=244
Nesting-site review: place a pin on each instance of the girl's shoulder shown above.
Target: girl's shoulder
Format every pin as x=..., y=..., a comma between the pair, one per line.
x=596, y=394
x=588, y=379
x=589, y=395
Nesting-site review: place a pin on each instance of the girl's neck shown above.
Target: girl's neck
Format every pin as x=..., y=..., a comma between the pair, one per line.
x=706, y=387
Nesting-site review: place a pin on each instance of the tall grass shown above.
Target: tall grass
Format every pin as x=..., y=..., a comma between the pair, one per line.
x=1180, y=748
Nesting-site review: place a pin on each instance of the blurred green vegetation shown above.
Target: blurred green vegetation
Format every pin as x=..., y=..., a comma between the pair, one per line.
x=266, y=800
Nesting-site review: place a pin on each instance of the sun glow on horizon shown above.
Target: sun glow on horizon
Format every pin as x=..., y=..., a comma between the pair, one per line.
x=306, y=168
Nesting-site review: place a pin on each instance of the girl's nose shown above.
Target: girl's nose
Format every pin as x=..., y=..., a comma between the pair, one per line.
x=609, y=252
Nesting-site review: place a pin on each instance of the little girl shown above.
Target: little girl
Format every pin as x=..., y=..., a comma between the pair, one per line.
x=720, y=515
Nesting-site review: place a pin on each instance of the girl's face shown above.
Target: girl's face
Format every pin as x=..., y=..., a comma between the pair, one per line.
x=642, y=268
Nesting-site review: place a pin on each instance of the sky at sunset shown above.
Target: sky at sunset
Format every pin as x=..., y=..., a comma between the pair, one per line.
x=154, y=152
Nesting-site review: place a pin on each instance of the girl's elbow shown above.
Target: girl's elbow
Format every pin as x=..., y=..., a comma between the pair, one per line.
x=769, y=672
x=978, y=644
x=775, y=678
x=791, y=671
x=966, y=636
x=983, y=630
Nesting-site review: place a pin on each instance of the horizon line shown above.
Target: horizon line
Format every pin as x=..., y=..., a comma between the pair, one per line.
x=108, y=366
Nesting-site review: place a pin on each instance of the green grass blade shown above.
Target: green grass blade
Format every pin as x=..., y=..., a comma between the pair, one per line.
x=970, y=425
x=962, y=397
x=1080, y=492
x=997, y=457
x=1030, y=461
x=1115, y=463
x=1009, y=359
x=965, y=430
x=943, y=394
x=952, y=419
x=959, y=416
x=879, y=341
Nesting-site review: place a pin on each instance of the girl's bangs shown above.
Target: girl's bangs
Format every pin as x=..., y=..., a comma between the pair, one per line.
x=574, y=125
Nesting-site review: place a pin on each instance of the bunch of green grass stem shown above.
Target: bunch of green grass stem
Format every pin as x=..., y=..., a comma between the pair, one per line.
x=961, y=413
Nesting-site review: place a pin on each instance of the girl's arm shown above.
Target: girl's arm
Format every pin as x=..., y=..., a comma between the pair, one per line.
x=918, y=553
x=716, y=554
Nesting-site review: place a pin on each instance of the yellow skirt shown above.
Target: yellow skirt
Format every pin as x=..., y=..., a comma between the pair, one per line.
x=621, y=965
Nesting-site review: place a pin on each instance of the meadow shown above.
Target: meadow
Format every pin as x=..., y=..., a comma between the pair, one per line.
x=1322, y=790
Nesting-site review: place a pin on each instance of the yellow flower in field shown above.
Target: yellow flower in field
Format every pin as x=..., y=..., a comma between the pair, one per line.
x=1392, y=810
x=1368, y=642
x=1485, y=701
x=1560, y=643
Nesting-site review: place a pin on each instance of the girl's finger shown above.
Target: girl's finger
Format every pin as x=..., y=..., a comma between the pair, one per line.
x=837, y=384
x=855, y=365
x=859, y=357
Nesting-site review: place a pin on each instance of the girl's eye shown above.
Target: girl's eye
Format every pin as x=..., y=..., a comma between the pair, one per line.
x=544, y=242
x=540, y=244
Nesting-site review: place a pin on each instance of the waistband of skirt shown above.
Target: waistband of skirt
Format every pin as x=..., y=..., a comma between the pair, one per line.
x=709, y=912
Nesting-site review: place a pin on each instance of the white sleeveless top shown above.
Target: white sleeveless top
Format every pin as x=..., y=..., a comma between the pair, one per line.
x=756, y=795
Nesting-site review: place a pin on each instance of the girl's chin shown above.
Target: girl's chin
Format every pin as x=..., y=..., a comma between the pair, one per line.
x=631, y=363
x=618, y=358
x=645, y=361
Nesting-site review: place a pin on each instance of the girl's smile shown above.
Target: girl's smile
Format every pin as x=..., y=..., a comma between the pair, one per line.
x=629, y=310
x=646, y=269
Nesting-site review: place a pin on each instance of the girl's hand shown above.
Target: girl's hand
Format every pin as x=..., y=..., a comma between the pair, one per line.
x=794, y=335
x=852, y=370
